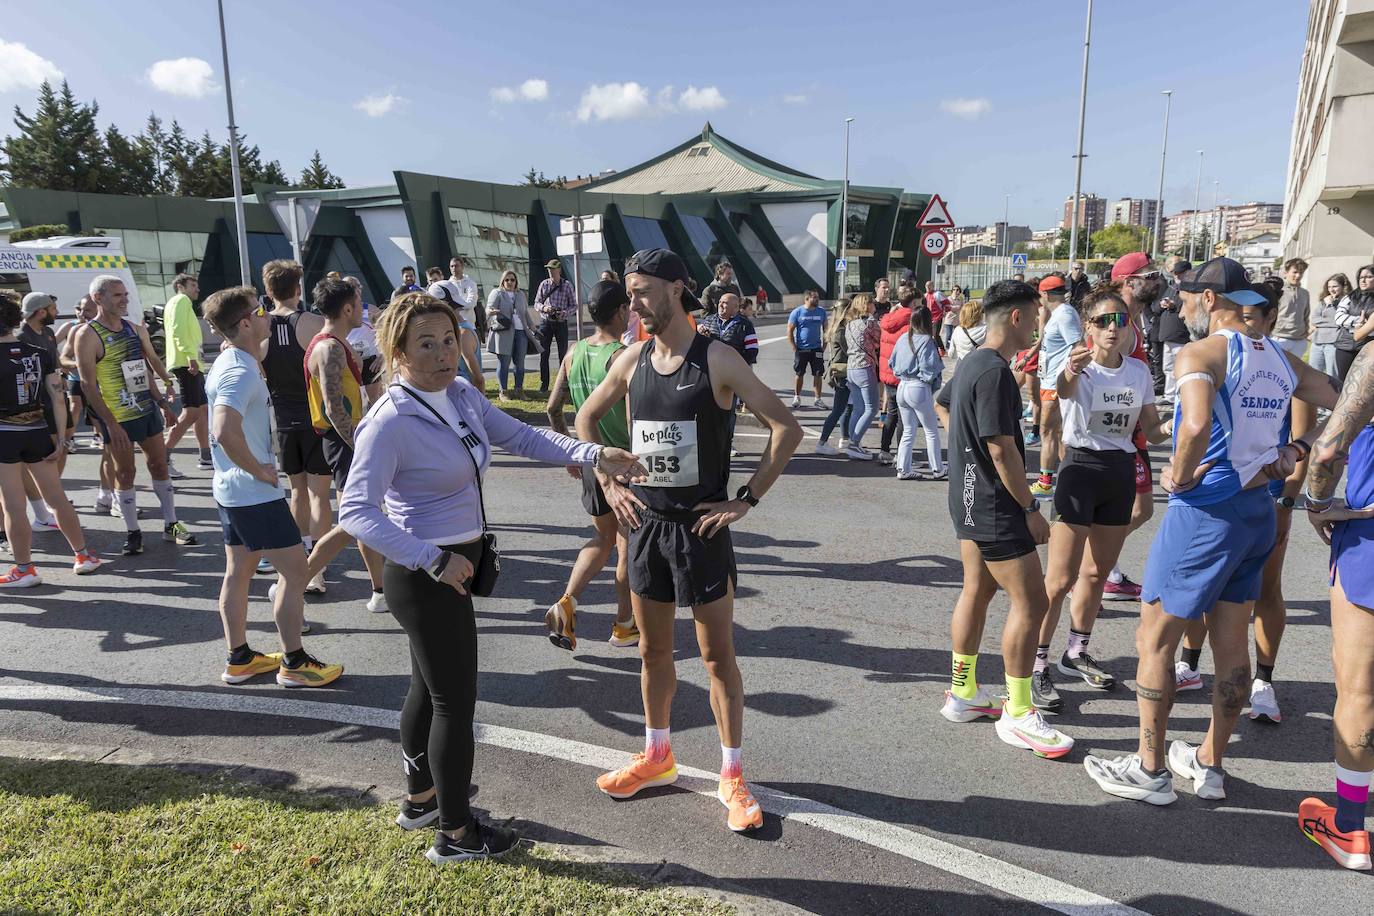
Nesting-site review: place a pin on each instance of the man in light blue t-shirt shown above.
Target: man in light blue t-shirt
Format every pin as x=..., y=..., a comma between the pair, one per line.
x=806, y=331
x=252, y=505
x=1063, y=331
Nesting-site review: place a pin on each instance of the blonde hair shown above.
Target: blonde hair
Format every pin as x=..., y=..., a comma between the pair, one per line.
x=396, y=321
x=509, y=273
x=971, y=314
x=858, y=306
x=837, y=320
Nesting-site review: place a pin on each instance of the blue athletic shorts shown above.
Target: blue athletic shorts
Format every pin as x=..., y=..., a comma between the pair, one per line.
x=266, y=526
x=1352, y=554
x=1206, y=554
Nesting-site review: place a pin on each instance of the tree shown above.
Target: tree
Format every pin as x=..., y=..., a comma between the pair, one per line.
x=316, y=175
x=1114, y=241
x=1200, y=241
x=130, y=165
x=535, y=179
x=58, y=147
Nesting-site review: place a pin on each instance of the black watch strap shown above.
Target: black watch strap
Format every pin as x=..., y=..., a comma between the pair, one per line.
x=747, y=495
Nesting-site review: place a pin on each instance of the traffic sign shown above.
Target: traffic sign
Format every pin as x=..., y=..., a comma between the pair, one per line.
x=841, y=265
x=934, y=242
x=935, y=215
x=1019, y=259
x=569, y=224
x=591, y=244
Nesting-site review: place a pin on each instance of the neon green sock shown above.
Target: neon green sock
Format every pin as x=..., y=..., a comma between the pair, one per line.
x=1018, y=695
x=963, y=681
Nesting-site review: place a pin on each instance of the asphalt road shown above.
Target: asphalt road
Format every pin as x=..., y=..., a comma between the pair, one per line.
x=847, y=580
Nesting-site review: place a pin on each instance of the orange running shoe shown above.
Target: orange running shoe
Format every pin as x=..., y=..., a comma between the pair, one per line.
x=745, y=813
x=641, y=773
x=1318, y=822
x=561, y=619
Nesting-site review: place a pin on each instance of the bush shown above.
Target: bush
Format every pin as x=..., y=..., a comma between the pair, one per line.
x=51, y=230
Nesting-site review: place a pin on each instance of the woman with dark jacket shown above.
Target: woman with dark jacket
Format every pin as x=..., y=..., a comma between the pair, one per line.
x=414, y=494
x=1355, y=319
x=837, y=371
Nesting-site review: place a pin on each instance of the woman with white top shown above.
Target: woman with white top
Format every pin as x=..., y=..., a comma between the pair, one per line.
x=968, y=336
x=421, y=452
x=861, y=334
x=510, y=334
x=1102, y=395
x=916, y=363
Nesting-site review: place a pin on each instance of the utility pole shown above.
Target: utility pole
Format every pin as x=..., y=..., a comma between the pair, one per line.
x=1006, y=235
x=1163, y=153
x=1082, y=116
x=1197, y=205
x=242, y=228
x=844, y=213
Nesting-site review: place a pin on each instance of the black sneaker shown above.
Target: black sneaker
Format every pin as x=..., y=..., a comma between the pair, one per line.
x=133, y=544
x=480, y=841
x=415, y=815
x=1090, y=671
x=1044, y=696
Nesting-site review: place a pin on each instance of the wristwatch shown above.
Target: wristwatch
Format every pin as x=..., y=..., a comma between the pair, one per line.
x=436, y=571
x=1286, y=502
x=747, y=495
x=1033, y=507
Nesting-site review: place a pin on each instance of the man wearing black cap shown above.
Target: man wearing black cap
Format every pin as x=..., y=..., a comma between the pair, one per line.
x=1170, y=332
x=682, y=388
x=578, y=376
x=1208, y=557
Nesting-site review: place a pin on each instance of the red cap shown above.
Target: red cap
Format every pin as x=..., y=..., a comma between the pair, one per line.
x=1128, y=264
x=1051, y=283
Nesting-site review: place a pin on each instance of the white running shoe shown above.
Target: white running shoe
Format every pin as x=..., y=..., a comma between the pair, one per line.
x=101, y=507
x=174, y=473
x=844, y=444
x=858, y=453
x=1207, y=781
x=85, y=562
x=1031, y=732
x=45, y=525
x=377, y=603
x=796, y=401
x=983, y=705
x=1263, y=704
x=819, y=403
x=316, y=585
x=1125, y=777
x=1186, y=678
x=825, y=448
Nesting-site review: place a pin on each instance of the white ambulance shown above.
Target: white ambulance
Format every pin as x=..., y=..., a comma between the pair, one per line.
x=64, y=267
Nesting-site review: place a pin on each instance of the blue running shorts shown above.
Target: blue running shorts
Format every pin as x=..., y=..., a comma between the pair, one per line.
x=1352, y=555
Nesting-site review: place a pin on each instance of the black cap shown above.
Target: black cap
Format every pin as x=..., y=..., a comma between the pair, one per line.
x=607, y=295
x=663, y=264
x=1181, y=266
x=1224, y=277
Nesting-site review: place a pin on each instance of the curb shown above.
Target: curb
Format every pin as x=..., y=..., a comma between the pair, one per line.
x=657, y=871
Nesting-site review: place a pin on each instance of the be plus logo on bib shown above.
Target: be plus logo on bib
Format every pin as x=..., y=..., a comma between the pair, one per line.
x=669, y=451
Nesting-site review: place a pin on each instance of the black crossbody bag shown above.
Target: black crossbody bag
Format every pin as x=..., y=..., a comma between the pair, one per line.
x=487, y=569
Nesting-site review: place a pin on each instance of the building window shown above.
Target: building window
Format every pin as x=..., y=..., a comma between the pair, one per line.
x=156, y=257
x=490, y=244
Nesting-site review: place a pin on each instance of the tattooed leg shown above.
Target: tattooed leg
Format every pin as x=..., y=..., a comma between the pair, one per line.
x=1228, y=628
x=1156, y=641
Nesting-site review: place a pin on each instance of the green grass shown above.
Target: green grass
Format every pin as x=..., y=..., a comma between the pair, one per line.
x=106, y=838
x=530, y=408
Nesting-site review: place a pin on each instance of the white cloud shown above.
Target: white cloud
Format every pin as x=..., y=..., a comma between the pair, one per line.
x=614, y=102
x=375, y=105
x=624, y=101
x=530, y=90
x=21, y=68
x=797, y=99
x=707, y=99
x=968, y=109
x=188, y=77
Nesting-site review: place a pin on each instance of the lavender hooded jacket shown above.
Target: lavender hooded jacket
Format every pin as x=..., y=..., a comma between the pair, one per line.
x=406, y=458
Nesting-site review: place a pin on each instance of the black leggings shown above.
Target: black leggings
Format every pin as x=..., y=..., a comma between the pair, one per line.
x=1344, y=360
x=436, y=720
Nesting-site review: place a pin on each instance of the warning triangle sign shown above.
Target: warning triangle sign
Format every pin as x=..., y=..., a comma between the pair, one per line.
x=935, y=215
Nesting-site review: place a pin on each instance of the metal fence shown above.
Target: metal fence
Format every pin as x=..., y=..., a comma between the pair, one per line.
x=979, y=273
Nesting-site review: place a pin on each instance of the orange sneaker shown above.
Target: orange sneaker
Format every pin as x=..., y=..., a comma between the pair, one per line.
x=641, y=773
x=745, y=813
x=561, y=619
x=1318, y=822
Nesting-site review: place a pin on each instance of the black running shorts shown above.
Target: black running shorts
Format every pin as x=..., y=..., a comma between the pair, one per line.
x=670, y=564
x=339, y=455
x=192, y=386
x=1096, y=487
x=593, y=497
x=25, y=446
x=266, y=526
x=804, y=359
x=302, y=452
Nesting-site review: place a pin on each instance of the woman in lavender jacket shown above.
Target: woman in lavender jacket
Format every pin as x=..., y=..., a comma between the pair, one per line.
x=416, y=453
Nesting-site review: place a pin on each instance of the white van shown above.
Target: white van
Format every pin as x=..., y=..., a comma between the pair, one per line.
x=64, y=267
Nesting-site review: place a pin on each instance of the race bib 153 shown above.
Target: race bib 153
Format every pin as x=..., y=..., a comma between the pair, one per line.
x=668, y=449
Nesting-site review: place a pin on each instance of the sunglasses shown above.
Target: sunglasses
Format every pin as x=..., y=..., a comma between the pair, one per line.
x=1109, y=320
x=1149, y=275
x=260, y=311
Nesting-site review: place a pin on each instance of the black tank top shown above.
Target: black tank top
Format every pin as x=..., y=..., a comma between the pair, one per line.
x=680, y=432
x=285, y=370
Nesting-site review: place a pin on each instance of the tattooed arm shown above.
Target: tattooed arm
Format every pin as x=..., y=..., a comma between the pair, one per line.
x=329, y=366
x=1354, y=409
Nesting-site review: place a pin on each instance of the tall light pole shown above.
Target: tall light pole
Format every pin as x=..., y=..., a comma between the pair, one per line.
x=242, y=229
x=1006, y=234
x=1082, y=116
x=1197, y=204
x=1215, y=221
x=1163, y=154
x=844, y=212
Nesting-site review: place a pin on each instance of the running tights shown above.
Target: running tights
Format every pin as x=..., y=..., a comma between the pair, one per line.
x=436, y=720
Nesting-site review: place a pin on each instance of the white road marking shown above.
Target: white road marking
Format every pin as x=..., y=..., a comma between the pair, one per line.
x=768, y=340
x=918, y=847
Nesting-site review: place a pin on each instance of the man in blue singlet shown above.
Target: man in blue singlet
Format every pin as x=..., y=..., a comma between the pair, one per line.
x=1209, y=554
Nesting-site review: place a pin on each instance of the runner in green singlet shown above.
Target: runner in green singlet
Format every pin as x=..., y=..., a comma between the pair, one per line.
x=581, y=371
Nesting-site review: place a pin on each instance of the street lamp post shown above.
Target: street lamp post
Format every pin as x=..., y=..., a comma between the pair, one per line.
x=1006, y=235
x=1163, y=153
x=1197, y=204
x=242, y=228
x=844, y=213
x=1082, y=116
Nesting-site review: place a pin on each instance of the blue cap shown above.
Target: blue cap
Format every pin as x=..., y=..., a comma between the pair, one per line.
x=1224, y=277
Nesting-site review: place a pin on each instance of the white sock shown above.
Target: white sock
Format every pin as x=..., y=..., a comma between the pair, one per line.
x=104, y=495
x=41, y=512
x=656, y=743
x=729, y=762
x=166, y=498
x=1115, y=576
x=128, y=508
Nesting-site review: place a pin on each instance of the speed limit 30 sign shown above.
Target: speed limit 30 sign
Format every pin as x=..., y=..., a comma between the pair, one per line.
x=934, y=242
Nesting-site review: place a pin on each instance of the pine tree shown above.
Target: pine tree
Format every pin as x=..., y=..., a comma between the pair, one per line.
x=317, y=175
x=130, y=169
x=59, y=147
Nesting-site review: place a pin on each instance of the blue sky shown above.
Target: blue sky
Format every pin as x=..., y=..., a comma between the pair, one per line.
x=973, y=99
